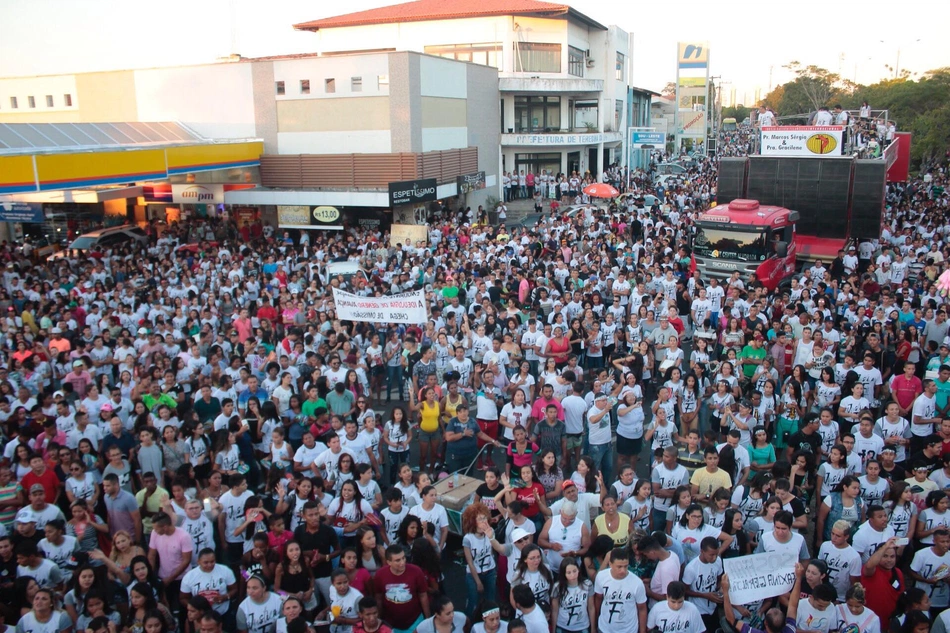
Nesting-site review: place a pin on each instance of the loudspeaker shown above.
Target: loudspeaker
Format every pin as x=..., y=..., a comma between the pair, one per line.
x=867, y=198
x=733, y=173
x=818, y=188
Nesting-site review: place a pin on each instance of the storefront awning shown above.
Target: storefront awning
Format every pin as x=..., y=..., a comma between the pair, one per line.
x=41, y=157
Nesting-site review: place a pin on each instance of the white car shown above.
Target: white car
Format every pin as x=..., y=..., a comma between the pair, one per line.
x=116, y=236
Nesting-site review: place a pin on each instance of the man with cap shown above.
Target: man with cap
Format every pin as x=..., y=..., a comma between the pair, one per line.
x=39, y=511
x=57, y=343
x=79, y=378
x=585, y=503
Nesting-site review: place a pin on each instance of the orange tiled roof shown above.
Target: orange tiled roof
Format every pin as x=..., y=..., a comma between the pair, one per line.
x=426, y=10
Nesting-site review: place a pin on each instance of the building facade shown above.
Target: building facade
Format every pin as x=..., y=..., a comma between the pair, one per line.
x=365, y=120
x=563, y=78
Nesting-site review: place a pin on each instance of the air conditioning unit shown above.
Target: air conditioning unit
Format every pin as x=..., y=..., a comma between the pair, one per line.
x=590, y=63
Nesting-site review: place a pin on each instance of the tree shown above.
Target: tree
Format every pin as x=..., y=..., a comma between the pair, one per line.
x=669, y=90
x=737, y=112
x=816, y=84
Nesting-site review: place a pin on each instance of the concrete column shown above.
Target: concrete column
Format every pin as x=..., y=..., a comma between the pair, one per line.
x=600, y=162
x=566, y=122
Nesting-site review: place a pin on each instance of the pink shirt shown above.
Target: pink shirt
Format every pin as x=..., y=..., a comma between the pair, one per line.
x=172, y=550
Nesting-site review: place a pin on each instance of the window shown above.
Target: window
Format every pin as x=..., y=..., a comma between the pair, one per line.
x=382, y=80
x=13, y=103
x=487, y=54
x=68, y=100
x=537, y=114
x=356, y=84
x=618, y=75
x=585, y=114
x=49, y=101
x=531, y=57
x=304, y=86
x=618, y=114
x=575, y=61
x=280, y=88
x=31, y=101
x=329, y=85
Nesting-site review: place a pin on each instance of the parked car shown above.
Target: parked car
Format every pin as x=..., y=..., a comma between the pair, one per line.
x=103, y=239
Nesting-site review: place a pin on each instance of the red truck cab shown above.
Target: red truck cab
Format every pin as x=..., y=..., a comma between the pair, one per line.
x=747, y=237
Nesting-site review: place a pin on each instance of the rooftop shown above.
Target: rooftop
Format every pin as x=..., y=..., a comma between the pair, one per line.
x=17, y=138
x=428, y=10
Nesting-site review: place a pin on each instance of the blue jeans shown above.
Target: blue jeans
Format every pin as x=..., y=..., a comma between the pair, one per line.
x=603, y=459
x=393, y=378
x=488, y=589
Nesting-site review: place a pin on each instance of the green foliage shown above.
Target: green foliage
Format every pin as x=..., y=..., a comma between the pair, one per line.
x=737, y=112
x=921, y=107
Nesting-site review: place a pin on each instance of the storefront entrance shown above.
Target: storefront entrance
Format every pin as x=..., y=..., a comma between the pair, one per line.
x=534, y=163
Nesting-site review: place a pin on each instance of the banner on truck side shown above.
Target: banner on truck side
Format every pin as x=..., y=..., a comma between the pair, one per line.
x=408, y=308
x=759, y=576
x=802, y=140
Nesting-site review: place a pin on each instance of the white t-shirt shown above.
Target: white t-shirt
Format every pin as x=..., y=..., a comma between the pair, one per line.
x=514, y=415
x=842, y=565
x=437, y=517
x=703, y=578
x=233, y=510
x=208, y=584
x=929, y=565
x=925, y=407
x=814, y=620
x=618, y=612
x=259, y=618
x=685, y=620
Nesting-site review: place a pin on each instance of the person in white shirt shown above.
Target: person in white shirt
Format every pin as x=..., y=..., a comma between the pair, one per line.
x=675, y=615
x=616, y=591
x=844, y=562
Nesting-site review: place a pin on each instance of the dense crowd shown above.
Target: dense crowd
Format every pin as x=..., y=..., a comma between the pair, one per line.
x=195, y=442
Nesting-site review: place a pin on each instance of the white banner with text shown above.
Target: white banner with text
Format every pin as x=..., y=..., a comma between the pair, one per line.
x=759, y=576
x=802, y=140
x=408, y=308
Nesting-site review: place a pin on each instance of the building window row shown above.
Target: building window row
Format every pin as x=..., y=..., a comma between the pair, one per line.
x=486, y=54
x=329, y=85
x=537, y=114
x=50, y=101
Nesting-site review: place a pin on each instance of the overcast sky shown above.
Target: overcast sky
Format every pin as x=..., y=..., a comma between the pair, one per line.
x=42, y=37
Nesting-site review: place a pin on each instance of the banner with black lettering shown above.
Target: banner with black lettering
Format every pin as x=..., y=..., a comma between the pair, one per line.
x=759, y=576
x=408, y=308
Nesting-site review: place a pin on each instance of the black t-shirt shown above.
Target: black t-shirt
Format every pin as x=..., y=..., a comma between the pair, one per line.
x=898, y=474
x=324, y=540
x=487, y=495
x=921, y=459
x=802, y=442
x=796, y=506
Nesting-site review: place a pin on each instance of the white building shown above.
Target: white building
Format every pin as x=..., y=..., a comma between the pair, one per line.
x=563, y=77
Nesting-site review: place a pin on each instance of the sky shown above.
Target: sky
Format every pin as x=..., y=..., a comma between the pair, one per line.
x=43, y=37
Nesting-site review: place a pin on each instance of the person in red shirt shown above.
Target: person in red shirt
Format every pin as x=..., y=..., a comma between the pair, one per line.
x=905, y=389
x=402, y=592
x=40, y=474
x=531, y=494
x=267, y=311
x=369, y=617
x=883, y=581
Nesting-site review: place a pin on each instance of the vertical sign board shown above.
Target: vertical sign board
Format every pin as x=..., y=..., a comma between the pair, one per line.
x=692, y=83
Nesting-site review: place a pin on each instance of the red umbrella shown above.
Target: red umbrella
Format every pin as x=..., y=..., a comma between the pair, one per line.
x=601, y=190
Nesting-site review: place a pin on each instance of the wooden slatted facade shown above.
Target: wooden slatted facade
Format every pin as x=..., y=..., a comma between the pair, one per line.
x=364, y=171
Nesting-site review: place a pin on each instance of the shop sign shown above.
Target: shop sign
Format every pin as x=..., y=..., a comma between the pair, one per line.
x=198, y=194
x=558, y=139
x=27, y=212
x=471, y=182
x=412, y=191
x=308, y=217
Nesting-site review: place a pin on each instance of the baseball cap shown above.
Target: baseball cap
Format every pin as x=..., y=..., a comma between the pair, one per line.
x=143, y=330
x=25, y=517
x=567, y=483
x=56, y=330
x=519, y=533
x=106, y=407
x=78, y=363
x=37, y=488
x=758, y=336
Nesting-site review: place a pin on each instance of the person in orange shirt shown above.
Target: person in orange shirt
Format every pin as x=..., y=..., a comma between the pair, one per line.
x=58, y=344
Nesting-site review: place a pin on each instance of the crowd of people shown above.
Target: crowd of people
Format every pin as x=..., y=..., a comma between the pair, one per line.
x=195, y=442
